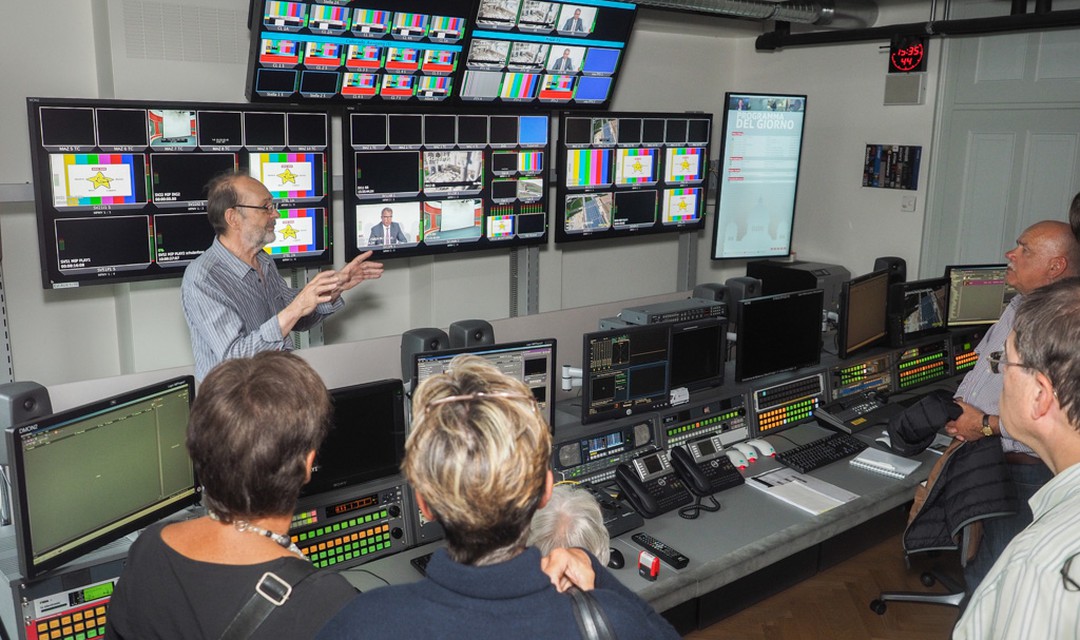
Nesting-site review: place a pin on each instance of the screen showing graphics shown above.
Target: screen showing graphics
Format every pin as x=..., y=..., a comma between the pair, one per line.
x=625, y=371
x=532, y=363
x=917, y=309
x=120, y=186
x=353, y=51
x=759, y=173
x=366, y=440
x=978, y=294
x=778, y=333
x=90, y=475
x=546, y=53
x=421, y=183
x=863, y=303
x=625, y=173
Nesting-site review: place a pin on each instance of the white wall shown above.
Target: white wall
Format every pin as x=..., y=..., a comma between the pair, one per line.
x=196, y=50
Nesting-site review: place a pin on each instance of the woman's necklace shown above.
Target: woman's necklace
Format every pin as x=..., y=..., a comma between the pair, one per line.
x=244, y=525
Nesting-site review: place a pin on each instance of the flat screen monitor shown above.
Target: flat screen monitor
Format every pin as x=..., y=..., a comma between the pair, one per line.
x=978, y=294
x=120, y=186
x=863, y=319
x=357, y=51
x=631, y=173
x=759, y=173
x=532, y=362
x=916, y=309
x=697, y=353
x=539, y=53
x=778, y=333
x=423, y=183
x=87, y=476
x=625, y=371
x=366, y=440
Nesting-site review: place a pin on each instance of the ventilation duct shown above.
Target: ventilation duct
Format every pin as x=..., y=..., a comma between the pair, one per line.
x=838, y=14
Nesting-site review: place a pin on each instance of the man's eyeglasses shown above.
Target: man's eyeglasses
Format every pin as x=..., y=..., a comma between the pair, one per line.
x=269, y=208
x=1066, y=580
x=997, y=360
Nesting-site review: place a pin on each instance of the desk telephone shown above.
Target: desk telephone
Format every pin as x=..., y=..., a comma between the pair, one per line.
x=651, y=485
x=704, y=467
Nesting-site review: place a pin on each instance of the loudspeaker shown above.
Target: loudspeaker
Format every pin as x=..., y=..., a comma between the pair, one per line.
x=738, y=289
x=711, y=291
x=22, y=401
x=905, y=88
x=470, y=333
x=416, y=341
x=19, y=402
x=897, y=268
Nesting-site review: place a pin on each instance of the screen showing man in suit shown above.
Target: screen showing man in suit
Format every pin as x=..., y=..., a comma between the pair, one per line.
x=387, y=231
x=576, y=20
x=564, y=63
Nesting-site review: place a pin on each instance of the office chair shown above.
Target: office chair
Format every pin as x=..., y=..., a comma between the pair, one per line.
x=952, y=598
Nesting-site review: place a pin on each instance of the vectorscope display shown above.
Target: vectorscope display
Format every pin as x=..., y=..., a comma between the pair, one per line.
x=120, y=186
x=427, y=183
x=627, y=173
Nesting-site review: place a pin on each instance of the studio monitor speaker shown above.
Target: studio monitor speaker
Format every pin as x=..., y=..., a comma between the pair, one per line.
x=471, y=333
x=22, y=401
x=711, y=291
x=416, y=341
x=897, y=268
x=738, y=289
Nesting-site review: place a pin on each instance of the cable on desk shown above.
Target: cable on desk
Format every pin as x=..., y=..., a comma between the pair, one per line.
x=692, y=511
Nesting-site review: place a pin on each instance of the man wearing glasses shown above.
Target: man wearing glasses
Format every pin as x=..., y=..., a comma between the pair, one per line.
x=235, y=302
x=1033, y=590
x=1046, y=251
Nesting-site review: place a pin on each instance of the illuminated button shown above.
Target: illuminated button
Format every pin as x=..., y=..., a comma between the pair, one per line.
x=80, y=627
x=77, y=616
x=66, y=630
x=42, y=626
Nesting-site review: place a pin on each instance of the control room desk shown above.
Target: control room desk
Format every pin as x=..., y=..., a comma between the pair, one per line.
x=751, y=531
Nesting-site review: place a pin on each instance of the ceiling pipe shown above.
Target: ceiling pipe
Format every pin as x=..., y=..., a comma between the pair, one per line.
x=839, y=14
x=971, y=26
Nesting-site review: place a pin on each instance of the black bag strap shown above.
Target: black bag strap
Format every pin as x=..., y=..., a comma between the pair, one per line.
x=591, y=620
x=271, y=591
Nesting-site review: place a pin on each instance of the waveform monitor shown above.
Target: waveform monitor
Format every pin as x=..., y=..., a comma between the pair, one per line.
x=759, y=172
x=356, y=51
x=120, y=186
x=624, y=371
x=863, y=303
x=532, y=362
x=916, y=309
x=90, y=475
x=366, y=440
x=978, y=294
x=627, y=173
x=778, y=333
x=423, y=183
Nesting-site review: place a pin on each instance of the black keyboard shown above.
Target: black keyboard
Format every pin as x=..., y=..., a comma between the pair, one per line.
x=722, y=474
x=810, y=456
x=421, y=562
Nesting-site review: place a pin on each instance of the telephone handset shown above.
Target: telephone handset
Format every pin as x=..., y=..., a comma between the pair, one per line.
x=651, y=485
x=704, y=466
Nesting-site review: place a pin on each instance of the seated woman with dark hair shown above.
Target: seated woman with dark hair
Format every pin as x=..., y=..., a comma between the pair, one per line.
x=255, y=426
x=478, y=456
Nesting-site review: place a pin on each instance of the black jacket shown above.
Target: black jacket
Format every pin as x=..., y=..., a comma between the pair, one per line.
x=968, y=484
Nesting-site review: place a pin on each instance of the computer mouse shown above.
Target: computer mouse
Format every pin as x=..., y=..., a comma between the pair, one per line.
x=766, y=449
x=747, y=450
x=616, y=559
x=737, y=458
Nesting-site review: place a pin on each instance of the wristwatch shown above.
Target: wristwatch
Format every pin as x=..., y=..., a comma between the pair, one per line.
x=986, y=430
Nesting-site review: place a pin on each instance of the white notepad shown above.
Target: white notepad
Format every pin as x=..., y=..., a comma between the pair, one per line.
x=800, y=490
x=884, y=463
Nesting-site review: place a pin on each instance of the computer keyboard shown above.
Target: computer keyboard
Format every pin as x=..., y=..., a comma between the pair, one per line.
x=819, y=453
